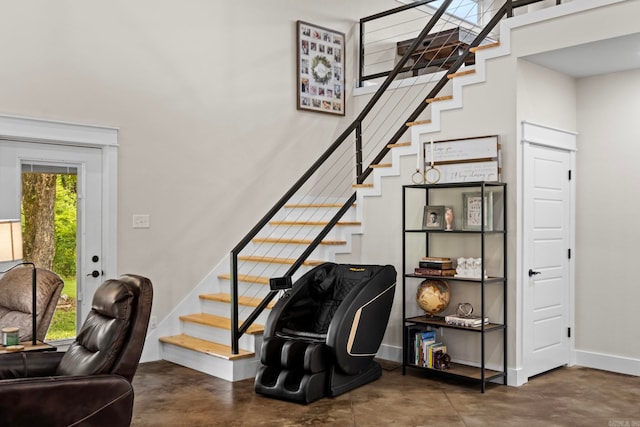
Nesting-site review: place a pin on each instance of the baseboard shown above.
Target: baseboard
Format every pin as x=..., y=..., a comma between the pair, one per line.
x=608, y=362
x=390, y=352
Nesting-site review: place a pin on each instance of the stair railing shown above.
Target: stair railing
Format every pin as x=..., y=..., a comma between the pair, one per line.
x=356, y=126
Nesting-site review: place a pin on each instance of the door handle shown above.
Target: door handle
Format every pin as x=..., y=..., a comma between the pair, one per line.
x=94, y=273
x=533, y=273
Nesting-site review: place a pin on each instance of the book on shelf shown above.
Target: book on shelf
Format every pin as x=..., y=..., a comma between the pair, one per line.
x=422, y=339
x=471, y=321
x=435, y=259
x=436, y=265
x=448, y=272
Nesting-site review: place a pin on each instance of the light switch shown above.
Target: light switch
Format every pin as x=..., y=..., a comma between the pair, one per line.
x=141, y=221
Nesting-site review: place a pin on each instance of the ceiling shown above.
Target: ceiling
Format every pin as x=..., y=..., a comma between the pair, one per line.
x=590, y=59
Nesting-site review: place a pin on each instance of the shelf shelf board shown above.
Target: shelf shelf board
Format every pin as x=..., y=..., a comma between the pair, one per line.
x=439, y=322
x=423, y=230
x=457, y=279
x=464, y=371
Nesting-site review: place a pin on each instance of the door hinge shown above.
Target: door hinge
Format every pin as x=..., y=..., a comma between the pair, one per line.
x=569, y=174
x=569, y=253
x=569, y=332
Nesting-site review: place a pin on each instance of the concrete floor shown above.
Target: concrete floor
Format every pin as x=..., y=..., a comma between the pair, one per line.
x=171, y=395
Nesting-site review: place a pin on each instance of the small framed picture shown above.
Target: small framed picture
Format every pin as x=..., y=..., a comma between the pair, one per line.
x=433, y=218
x=472, y=211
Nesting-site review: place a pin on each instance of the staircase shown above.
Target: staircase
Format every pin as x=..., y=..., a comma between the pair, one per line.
x=223, y=339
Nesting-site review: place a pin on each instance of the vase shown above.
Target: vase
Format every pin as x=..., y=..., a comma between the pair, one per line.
x=448, y=218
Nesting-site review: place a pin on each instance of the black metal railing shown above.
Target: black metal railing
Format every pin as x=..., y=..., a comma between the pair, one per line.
x=355, y=128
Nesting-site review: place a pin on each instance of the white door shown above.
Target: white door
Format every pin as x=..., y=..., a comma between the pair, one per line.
x=547, y=207
x=16, y=157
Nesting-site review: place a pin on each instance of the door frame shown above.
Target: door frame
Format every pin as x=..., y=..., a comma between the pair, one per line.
x=559, y=139
x=42, y=131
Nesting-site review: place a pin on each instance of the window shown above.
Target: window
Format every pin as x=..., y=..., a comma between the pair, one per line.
x=463, y=9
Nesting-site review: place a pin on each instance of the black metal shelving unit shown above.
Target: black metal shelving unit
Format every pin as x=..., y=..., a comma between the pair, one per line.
x=477, y=372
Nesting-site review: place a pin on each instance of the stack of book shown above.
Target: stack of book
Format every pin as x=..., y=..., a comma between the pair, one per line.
x=469, y=321
x=435, y=266
x=425, y=346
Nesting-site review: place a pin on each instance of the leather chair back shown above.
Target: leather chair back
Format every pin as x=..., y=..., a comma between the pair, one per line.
x=112, y=336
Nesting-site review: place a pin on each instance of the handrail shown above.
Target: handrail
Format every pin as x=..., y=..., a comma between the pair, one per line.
x=356, y=125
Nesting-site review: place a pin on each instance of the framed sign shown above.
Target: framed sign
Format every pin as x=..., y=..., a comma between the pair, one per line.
x=472, y=211
x=320, y=71
x=462, y=160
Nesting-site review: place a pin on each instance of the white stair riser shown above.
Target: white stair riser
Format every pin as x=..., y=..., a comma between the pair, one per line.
x=314, y=214
x=293, y=251
x=264, y=269
x=237, y=370
x=217, y=335
x=223, y=309
x=310, y=232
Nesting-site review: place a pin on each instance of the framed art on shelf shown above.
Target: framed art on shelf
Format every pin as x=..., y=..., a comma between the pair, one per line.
x=320, y=73
x=472, y=211
x=433, y=218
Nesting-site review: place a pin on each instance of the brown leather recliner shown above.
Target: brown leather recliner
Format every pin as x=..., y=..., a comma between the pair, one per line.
x=90, y=383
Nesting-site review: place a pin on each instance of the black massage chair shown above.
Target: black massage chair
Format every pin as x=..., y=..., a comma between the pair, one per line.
x=322, y=335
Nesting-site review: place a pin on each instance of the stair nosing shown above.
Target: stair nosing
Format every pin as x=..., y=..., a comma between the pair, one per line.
x=242, y=300
x=274, y=260
x=219, y=322
x=206, y=347
x=314, y=223
x=296, y=241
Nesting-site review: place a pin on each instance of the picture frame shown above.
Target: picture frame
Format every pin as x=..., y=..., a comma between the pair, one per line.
x=320, y=69
x=433, y=218
x=472, y=211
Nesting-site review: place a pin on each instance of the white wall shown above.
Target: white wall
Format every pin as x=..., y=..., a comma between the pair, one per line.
x=607, y=234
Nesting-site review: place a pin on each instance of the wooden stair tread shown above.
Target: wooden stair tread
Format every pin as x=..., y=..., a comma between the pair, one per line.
x=362, y=185
x=274, y=260
x=286, y=240
x=461, y=73
x=242, y=300
x=484, y=46
x=439, y=98
x=312, y=223
x=381, y=165
x=418, y=122
x=399, y=144
x=246, y=278
x=218, y=322
x=208, y=347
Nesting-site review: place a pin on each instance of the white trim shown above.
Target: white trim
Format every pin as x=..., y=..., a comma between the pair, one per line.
x=608, y=362
x=541, y=135
x=49, y=131
x=31, y=130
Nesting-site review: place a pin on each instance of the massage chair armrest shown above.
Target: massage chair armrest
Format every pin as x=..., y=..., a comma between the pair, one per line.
x=29, y=364
x=97, y=400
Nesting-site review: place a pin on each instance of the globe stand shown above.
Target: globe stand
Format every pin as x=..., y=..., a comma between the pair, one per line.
x=433, y=317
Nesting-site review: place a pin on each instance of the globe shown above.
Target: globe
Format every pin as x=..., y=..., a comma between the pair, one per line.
x=433, y=296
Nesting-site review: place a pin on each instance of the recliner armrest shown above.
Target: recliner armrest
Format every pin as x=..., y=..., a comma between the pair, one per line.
x=107, y=401
x=29, y=364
